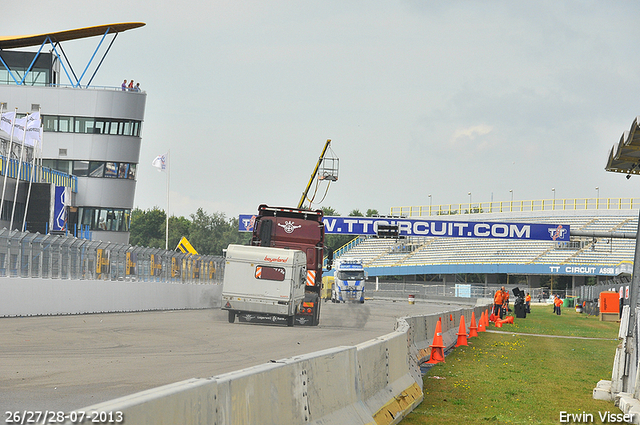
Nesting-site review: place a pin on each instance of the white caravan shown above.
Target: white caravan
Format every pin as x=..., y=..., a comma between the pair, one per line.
x=263, y=284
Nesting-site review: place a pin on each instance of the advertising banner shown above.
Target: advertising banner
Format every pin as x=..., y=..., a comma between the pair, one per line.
x=60, y=202
x=512, y=268
x=430, y=227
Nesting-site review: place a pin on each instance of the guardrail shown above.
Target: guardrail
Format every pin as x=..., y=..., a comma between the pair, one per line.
x=349, y=245
x=72, y=86
x=523, y=206
x=378, y=381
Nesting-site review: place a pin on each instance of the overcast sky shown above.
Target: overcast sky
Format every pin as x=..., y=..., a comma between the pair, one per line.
x=418, y=97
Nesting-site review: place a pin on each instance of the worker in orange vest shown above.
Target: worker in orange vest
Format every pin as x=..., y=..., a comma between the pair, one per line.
x=505, y=301
x=527, y=301
x=497, y=302
x=558, y=303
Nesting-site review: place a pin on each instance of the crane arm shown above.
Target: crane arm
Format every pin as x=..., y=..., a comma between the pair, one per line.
x=313, y=175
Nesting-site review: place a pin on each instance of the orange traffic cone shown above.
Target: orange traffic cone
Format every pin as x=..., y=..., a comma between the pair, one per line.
x=437, y=346
x=498, y=323
x=506, y=320
x=473, y=329
x=481, y=327
x=462, y=333
x=492, y=318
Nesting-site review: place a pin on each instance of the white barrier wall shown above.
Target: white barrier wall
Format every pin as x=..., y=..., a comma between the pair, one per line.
x=376, y=382
x=34, y=296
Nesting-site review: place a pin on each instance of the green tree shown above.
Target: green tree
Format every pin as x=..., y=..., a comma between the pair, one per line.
x=233, y=235
x=178, y=227
x=334, y=242
x=209, y=233
x=371, y=213
x=330, y=212
x=147, y=227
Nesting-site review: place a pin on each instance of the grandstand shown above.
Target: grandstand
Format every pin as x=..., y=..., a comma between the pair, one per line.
x=582, y=256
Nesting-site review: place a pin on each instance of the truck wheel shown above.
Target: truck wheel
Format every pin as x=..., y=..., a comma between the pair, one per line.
x=232, y=316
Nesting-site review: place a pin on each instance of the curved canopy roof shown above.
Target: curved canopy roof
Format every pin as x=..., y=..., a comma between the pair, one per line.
x=625, y=156
x=14, y=42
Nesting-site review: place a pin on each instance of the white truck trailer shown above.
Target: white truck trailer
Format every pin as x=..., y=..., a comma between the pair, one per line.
x=263, y=284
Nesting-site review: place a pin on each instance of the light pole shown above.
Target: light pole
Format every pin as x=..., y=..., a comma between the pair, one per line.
x=511, y=192
x=597, y=196
x=553, y=189
x=429, y=204
x=469, y=202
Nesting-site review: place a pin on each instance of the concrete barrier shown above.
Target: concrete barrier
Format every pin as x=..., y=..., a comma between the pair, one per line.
x=38, y=297
x=376, y=382
x=318, y=388
x=390, y=386
x=190, y=402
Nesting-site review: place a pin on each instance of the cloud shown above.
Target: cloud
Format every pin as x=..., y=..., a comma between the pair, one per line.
x=472, y=137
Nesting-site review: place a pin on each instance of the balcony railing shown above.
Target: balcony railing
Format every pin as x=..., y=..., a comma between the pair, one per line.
x=518, y=206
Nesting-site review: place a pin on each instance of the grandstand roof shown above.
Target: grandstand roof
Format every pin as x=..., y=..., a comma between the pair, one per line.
x=625, y=156
x=18, y=41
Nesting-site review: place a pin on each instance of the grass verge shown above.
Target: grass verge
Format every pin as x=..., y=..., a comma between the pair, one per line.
x=504, y=378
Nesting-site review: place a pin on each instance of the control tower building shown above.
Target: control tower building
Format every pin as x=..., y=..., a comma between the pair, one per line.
x=91, y=134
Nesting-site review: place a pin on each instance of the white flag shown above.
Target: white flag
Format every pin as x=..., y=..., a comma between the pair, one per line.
x=6, y=121
x=30, y=122
x=34, y=132
x=19, y=125
x=160, y=162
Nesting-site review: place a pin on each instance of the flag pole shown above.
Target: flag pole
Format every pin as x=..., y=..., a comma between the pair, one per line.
x=15, y=192
x=8, y=161
x=166, y=238
x=162, y=164
x=31, y=175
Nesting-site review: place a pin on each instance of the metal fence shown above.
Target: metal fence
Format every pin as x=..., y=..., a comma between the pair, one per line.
x=423, y=290
x=592, y=292
x=586, y=295
x=511, y=206
x=34, y=255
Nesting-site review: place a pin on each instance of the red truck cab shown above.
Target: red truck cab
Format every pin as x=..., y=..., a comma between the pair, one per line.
x=299, y=229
